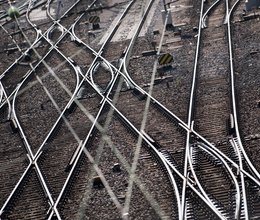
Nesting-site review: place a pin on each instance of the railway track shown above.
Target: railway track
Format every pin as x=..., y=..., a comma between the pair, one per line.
x=23, y=180
x=58, y=172
x=212, y=95
x=241, y=207
x=41, y=179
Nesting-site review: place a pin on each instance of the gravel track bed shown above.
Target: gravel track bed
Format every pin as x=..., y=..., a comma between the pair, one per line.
x=7, y=58
x=208, y=173
x=41, y=50
x=34, y=206
x=172, y=88
x=113, y=51
x=148, y=170
x=246, y=61
x=13, y=160
x=13, y=77
x=60, y=149
x=212, y=98
x=95, y=37
x=80, y=54
x=157, y=125
x=34, y=108
x=68, y=20
x=97, y=208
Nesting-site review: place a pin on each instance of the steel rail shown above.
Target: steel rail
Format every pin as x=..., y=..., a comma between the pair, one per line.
x=14, y=41
x=33, y=161
x=17, y=186
x=91, y=132
x=190, y=184
x=202, y=25
x=253, y=169
x=190, y=113
x=36, y=42
x=238, y=138
x=29, y=6
x=75, y=92
x=68, y=105
x=157, y=152
x=181, y=123
x=93, y=71
x=2, y=96
x=31, y=156
x=70, y=175
x=26, y=143
x=73, y=35
x=214, y=149
x=39, y=32
x=236, y=148
x=48, y=13
x=55, y=126
x=238, y=196
x=125, y=63
x=109, y=37
x=129, y=49
x=162, y=157
x=130, y=81
x=206, y=13
x=198, y=182
x=92, y=85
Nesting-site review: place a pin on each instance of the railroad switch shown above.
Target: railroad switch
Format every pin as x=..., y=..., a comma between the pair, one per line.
x=97, y=182
x=116, y=167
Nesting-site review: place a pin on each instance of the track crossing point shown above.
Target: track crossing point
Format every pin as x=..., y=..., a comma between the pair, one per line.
x=165, y=59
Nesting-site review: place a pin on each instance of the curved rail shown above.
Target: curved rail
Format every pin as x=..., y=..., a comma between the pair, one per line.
x=32, y=157
x=103, y=103
x=253, y=169
x=231, y=174
x=95, y=68
x=240, y=149
x=206, y=13
x=188, y=127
